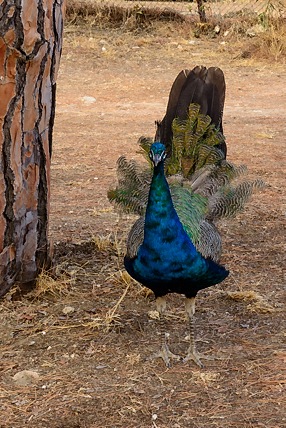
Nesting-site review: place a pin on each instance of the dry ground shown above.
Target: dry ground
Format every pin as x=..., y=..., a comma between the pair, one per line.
x=90, y=344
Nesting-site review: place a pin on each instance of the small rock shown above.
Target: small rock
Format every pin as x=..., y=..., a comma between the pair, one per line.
x=255, y=30
x=217, y=29
x=101, y=366
x=26, y=377
x=68, y=310
x=88, y=100
x=154, y=315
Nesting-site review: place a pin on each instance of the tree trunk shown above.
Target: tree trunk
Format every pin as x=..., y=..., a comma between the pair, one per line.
x=201, y=11
x=30, y=50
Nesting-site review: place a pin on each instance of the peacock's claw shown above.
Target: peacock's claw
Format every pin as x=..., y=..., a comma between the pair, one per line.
x=166, y=355
x=195, y=356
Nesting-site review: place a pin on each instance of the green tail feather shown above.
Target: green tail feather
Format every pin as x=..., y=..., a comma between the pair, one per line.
x=194, y=141
x=205, y=188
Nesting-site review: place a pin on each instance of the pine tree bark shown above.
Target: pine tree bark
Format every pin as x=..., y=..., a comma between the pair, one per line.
x=30, y=50
x=202, y=11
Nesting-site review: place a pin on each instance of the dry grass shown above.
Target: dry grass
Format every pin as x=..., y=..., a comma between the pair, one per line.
x=255, y=302
x=271, y=44
x=260, y=36
x=129, y=17
x=56, y=285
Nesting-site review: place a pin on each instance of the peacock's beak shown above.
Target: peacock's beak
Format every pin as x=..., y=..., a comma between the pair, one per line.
x=157, y=158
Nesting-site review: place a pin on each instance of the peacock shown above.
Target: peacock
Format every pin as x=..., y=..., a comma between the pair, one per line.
x=175, y=246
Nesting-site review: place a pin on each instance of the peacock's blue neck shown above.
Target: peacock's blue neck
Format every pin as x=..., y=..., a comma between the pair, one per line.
x=159, y=201
x=163, y=229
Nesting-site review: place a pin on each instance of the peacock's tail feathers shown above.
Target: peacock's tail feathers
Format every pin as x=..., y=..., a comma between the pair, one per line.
x=193, y=146
x=128, y=171
x=126, y=201
x=131, y=193
x=229, y=200
x=194, y=141
x=145, y=144
x=207, y=155
x=204, y=185
x=212, y=178
x=208, y=179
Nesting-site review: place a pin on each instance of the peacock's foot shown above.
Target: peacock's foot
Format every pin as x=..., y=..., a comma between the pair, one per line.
x=166, y=355
x=192, y=354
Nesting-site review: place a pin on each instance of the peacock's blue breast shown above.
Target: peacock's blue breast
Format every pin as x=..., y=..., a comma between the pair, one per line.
x=167, y=252
x=167, y=261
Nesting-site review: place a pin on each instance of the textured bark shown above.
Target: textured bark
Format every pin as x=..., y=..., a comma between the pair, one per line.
x=202, y=11
x=30, y=50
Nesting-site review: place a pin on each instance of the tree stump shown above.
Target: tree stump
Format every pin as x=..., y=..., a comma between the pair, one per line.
x=30, y=49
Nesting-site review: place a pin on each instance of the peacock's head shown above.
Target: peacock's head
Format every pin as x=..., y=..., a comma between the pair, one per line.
x=157, y=153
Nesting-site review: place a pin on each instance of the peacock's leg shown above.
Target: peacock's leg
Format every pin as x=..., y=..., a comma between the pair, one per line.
x=192, y=352
x=164, y=352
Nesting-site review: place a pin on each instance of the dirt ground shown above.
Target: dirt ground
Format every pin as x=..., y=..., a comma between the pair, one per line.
x=88, y=337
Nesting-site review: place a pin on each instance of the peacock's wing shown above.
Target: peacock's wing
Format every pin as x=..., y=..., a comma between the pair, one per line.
x=209, y=195
x=135, y=238
x=192, y=209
